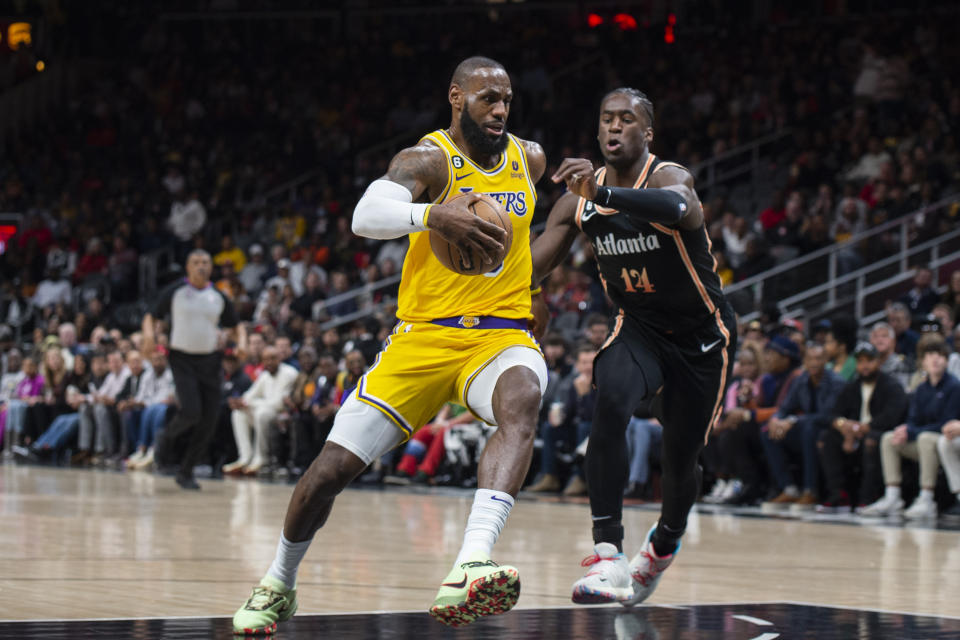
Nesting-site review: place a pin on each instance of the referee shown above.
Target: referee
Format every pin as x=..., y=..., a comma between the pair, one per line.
x=197, y=310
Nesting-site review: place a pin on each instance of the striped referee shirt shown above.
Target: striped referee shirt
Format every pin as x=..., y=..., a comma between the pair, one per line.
x=195, y=316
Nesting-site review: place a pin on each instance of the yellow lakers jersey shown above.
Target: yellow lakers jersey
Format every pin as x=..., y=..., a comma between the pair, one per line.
x=428, y=290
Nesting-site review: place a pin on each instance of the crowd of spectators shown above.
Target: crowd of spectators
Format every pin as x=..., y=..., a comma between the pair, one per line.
x=819, y=417
x=178, y=130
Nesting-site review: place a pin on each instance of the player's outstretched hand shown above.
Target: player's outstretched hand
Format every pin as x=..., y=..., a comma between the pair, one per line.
x=578, y=174
x=455, y=222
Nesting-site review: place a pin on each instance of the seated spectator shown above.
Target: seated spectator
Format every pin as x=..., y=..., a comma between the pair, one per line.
x=795, y=428
x=867, y=407
x=898, y=316
x=742, y=448
x=644, y=435
x=29, y=392
x=313, y=293
x=123, y=265
x=56, y=379
x=935, y=402
x=128, y=408
x=297, y=404
x=234, y=384
x=253, y=273
x=425, y=451
x=322, y=409
x=838, y=344
x=951, y=297
x=579, y=405
x=739, y=395
x=354, y=367
x=595, y=330
x=97, y=439
x=948, y=445
x=9, y=383
x=253, y=361
x=53, y=290
x=155, y=395
x=230, y=253
x=63, y=430
x=922, y=296
x=884, y=340
x=256, y=410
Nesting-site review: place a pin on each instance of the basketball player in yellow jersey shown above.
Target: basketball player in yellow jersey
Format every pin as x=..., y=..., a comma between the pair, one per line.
x=460, y=338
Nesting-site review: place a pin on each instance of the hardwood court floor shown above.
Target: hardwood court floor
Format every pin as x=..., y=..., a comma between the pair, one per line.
x=93, y=544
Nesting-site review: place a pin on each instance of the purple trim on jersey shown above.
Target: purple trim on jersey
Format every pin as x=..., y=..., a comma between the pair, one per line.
x=481, y=322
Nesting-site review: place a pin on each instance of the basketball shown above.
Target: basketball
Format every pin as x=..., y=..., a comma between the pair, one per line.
x=470, y=263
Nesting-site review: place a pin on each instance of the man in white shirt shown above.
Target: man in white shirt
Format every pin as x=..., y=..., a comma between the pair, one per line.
x=52, y=291
x=97, y=431
x=257, y=409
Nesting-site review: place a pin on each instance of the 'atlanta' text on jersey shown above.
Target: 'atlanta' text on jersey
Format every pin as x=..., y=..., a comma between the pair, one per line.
x=662, y=277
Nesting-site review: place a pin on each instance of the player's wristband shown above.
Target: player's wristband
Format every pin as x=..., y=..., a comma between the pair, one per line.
x=536, y=291
x=426, y=214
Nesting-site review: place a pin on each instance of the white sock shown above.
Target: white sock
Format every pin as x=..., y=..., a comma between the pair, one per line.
x=926, y=494
x=487, y=517
x=288, y=558
x=893, y=493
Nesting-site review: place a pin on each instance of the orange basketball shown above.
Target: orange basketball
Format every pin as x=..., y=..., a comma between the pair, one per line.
x=470, y=263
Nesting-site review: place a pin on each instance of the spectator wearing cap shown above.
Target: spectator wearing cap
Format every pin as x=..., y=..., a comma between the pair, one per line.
x=743, y=446
x=282, y=279
x=253, y=273
x=922, y=296
x=884, y=340
x=867, y=407
x=794, y=429
x=935, y=402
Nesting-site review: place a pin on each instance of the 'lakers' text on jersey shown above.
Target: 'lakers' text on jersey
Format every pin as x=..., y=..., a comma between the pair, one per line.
x=662, y=277
x=428, y=290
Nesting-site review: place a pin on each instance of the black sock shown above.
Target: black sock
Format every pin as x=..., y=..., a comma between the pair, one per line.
x=665, y=540
x=610, y=531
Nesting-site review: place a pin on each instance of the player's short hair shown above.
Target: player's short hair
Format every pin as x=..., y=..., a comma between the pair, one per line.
x=471, y=64
x=637, y=95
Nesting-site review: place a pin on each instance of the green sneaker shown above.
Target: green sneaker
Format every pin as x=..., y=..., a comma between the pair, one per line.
x=271, y=602
x=478, y=587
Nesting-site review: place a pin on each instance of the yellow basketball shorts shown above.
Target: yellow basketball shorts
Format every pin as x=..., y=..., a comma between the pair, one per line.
x=423, y=366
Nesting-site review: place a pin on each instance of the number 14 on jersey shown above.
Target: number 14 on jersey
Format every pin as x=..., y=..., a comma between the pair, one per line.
x=636, y=281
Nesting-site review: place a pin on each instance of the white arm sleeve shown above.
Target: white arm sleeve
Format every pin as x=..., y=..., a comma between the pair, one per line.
x=387, y=211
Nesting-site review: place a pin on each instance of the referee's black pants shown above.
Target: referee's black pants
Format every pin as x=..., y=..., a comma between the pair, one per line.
x=197, y=379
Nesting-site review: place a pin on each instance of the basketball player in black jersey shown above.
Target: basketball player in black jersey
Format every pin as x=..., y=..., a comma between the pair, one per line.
x=673, y=342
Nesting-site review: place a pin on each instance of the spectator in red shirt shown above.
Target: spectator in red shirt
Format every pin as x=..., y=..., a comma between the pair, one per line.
x=93, y=261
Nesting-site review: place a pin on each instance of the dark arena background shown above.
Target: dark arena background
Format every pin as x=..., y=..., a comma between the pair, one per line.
x=823, y=140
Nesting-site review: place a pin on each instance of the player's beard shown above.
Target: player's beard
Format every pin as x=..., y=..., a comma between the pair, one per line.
x=479, y=140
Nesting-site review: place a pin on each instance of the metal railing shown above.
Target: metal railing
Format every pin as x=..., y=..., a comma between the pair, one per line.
x=821, y=269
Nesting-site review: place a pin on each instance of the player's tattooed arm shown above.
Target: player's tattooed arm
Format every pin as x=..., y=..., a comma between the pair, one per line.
x=422, y=169
x=680, y=181
x=552, y=246
x=536, y=159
